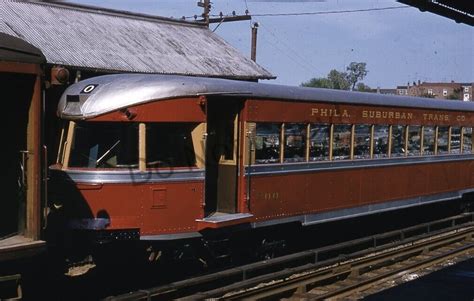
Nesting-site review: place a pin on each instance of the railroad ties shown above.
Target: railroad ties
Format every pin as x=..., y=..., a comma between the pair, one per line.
x=319, y=274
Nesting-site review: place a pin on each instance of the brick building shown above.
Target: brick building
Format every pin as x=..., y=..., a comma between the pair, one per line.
x=451, y=90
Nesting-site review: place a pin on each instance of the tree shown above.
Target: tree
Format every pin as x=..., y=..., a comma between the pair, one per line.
x=456, y=94
x=361, y=87
x=338, y=80
x=357, y=72
x=320, y=82
x=341, y=80
x=334, y=80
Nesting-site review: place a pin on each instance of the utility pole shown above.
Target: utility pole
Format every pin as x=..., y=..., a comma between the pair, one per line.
x=206, y=4
x=253, y=52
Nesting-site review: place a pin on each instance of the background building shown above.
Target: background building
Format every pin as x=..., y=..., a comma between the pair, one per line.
x=451, y=90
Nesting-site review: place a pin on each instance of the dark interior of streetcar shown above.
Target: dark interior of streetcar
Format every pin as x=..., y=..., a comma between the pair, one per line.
x=17, y=91
x=289, y=142
x=221, y=156
x=116, y=145
x=170, y=145
x=105, y=145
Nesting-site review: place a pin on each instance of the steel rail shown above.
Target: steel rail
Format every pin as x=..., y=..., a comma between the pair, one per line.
x=315, y=264
x=395, y=273
x=301, y=283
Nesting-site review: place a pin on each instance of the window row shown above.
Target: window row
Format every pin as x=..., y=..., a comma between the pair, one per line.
x=116, y=145
x=325, y=142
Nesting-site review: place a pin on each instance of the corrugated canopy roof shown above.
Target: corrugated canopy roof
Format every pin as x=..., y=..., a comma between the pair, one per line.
x=109, y=40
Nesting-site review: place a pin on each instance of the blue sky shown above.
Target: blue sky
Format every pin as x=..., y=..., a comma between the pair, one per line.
x=398, y=45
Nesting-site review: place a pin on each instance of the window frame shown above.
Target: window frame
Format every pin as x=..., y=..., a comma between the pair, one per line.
x=351, y=127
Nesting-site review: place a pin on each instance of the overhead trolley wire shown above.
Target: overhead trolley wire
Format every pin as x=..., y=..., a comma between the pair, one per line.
x=329, y=12
x=296, y=57
x=314, y=13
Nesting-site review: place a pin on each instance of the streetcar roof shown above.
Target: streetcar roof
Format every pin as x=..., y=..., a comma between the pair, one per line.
x=100, y=95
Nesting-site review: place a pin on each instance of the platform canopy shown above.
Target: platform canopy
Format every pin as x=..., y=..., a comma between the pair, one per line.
x=105, y=40
x=457, y=10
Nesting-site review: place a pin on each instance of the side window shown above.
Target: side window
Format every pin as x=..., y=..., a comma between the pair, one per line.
x=414, y=140
x=362, y=141
x=341, y=141
x=267, y=143
x=443, y=137
x=295, y=142
x=467, y=141
x=319, y=142
x=429, y=140
x=169, y=145
x=380, y=141
x=398, y=141
x=105, y=145
x=455, y=140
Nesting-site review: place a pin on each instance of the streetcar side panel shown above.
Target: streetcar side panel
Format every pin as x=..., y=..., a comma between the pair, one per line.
x=121, y=190
x=292, y=174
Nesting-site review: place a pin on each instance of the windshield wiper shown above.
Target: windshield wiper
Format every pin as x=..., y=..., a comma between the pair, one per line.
x=106, y=153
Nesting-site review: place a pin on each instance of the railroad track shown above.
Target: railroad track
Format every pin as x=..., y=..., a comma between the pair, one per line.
x=339, y=271
x=350, y=278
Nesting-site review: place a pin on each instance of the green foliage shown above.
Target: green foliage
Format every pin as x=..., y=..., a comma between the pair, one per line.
x=427, y=95
x=455, y=95
x=357, y=72
x=320, y=82
x=361, y=87
x=341, y=80
x=338, y=80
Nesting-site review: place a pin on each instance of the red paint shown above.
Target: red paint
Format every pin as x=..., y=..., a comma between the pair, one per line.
x=304, y=193
x=167, y=208
x=302, y=112
x=170, y=110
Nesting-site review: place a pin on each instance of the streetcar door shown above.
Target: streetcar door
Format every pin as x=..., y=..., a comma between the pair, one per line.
x=18, y=152
x=221, y=156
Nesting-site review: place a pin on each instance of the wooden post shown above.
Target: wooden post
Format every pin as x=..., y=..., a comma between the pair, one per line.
x=422, y=142
x=282, y=142
x=331, y=138
x=253, y=53
x=389, y=141
x=372, y=130
x=142, y=146
x=449, y=139
x=308, y=131
x=70, y=133
x=407, y=129
x=352, y=141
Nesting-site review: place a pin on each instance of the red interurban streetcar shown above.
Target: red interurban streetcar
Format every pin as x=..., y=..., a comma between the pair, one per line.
x=158, y=161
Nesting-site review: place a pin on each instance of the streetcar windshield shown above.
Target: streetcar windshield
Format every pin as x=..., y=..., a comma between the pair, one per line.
x=104, y=145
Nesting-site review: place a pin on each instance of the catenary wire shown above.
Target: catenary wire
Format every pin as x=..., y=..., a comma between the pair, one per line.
x=296, y=54
x=319, y=12
x=329, y=12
